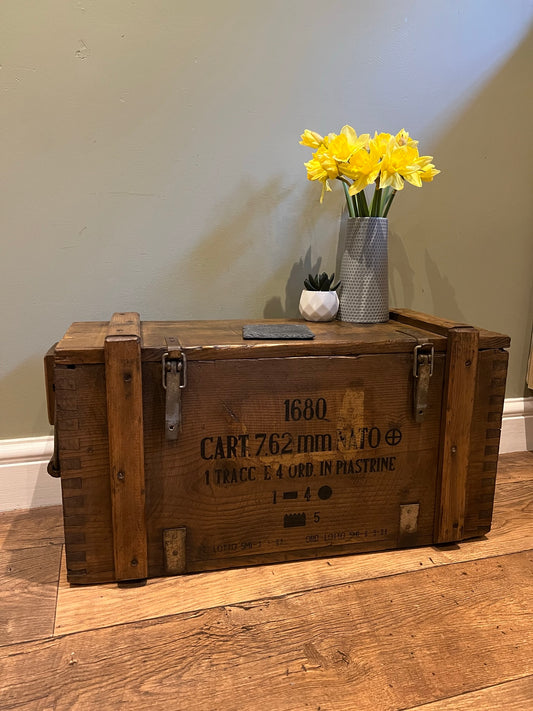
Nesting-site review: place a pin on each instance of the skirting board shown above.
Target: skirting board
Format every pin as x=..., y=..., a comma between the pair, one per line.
x=517, y=425
x=25, y=482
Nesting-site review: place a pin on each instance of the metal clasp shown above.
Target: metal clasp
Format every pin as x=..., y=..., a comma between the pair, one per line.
x=174, y=379
x=177, y=364
x=423, y=356
x=417, y=359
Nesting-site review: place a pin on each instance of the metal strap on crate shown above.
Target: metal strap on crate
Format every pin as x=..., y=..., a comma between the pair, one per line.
x=174, y=376
x=422, y=371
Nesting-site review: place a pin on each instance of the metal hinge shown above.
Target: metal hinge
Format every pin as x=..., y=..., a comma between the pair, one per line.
x=53, y=467
x=174, y=381
x=423, y=356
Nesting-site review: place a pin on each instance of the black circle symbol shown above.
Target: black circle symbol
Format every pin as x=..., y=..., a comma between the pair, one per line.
x=324, y=492
x=393, y=437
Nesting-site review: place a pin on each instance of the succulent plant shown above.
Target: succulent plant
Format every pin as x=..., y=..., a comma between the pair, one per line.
x=320, y=282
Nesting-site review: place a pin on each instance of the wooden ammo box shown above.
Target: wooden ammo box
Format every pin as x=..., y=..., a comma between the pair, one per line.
x=183, y=447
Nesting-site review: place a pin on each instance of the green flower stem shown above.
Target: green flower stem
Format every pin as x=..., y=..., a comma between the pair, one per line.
x=362, y=204
x=385, y=194
x=349, y=200
x=389, y=203
x=376, y=202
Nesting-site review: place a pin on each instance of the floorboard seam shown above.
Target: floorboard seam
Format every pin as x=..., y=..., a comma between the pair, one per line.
x=57, y=592
x=465, y=693
x=274, y=598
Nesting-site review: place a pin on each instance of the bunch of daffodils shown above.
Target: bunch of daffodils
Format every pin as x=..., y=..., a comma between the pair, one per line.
x=385, y=161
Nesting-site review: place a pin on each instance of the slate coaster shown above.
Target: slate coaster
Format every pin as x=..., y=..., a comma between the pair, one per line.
x=277, y=332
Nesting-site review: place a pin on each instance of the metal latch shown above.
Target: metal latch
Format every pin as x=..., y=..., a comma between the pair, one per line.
x=422, y=371
x=174, y=381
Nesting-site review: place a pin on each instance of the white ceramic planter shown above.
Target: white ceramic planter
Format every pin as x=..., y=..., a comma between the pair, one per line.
x=319, y=305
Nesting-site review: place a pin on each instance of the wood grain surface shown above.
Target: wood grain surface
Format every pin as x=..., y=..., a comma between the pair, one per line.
x=445, y=628
x=514, y=695
x=206, y=340
x=28, y=593
x=456, y=433
x=388, y=642
x=126, y=447
x=29, y=529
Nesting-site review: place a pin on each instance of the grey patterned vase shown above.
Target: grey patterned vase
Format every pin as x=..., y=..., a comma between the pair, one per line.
x=364, y=274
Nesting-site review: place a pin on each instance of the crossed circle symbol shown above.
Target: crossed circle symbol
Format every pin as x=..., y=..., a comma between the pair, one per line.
x=393, y=437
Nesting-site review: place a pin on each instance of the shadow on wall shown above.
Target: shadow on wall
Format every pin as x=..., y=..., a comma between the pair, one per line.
x=444, y=299
x=458, y=233
x=401, y=274
x=293, y=289
x=238, y=234
x=256, y=234
x=461, y=246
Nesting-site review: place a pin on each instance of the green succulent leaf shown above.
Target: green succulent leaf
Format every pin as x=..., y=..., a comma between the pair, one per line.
x=320, y=282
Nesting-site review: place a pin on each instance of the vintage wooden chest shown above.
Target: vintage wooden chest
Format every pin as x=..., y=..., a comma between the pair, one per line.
x=183, y=447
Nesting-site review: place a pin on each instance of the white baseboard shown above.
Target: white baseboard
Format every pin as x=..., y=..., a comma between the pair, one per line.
x=25, y=483
x=517, y=425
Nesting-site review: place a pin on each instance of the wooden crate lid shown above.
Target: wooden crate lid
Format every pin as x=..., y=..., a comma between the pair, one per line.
x=214, y=340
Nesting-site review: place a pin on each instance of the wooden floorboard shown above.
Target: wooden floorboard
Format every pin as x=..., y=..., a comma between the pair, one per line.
x=431, y=629
x=514, y=695
x=28, y=593
x=515, y=466
x=28, y=529
x=389, y=643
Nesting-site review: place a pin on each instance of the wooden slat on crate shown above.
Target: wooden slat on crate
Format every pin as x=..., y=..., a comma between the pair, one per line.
x=49, y=383
x=484, y=440
x=126, y=446
x=205, y=340
x=84, y=341
x=84, y=464
x=456, y=430
x=487, y=339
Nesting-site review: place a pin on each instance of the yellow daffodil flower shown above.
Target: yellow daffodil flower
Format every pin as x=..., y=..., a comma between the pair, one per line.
x=327, y=161
x=330, y=137
x=311, y=139
x=381, y=142
x=315, y=171
x=363, y=168
x=398, y=162
x=428, y=172
x=358, y=161
x=353, y=139
x=404, y=139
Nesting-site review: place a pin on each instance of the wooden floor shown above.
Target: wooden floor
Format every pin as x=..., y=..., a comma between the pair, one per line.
x=447, y=628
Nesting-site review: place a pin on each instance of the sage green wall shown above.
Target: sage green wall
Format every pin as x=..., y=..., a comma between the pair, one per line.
x=151, y=162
